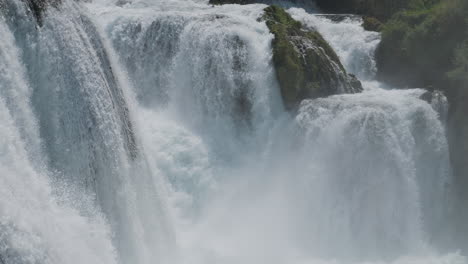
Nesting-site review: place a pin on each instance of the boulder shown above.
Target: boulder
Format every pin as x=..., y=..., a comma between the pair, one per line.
x=372, y=24
x=306, y=66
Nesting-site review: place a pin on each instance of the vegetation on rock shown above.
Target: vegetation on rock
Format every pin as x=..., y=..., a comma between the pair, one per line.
x=372, y=24
x=426, y=45
x=306, y=66
x=418, y=45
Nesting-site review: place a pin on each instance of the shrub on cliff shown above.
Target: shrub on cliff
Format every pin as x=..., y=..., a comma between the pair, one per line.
x=418, y=45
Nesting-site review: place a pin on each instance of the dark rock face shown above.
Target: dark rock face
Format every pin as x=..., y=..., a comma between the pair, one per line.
x=306, y=66
x=372, y=24
x=354, y=83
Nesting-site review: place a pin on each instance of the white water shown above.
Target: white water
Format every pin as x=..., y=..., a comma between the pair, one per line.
x=34, y=226
x=128, y=124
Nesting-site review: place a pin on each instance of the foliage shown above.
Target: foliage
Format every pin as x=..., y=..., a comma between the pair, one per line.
x=460, y=70
x=418, y=44
x=372, y=24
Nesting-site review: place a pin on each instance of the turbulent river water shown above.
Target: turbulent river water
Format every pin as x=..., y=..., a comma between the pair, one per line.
x=151, y=131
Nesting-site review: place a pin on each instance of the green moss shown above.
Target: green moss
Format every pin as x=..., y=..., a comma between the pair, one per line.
x=279, y=18
x=372, y=24
x=283, y=26
x=426, y=45
x=302, y=71
x=288, y=65
x=418, y=46
x=459, y=73
x=321, y=42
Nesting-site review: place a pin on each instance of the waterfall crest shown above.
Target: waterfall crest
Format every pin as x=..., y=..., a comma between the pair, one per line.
x=150, y=131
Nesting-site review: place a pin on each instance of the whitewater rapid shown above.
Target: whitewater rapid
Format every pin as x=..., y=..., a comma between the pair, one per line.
x=143, y=131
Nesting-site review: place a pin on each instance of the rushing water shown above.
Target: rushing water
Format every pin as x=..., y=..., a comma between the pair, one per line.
x=153, y=132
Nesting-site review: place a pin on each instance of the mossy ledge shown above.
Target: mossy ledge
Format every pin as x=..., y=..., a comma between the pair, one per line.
x=372, y=24
x=306, y=66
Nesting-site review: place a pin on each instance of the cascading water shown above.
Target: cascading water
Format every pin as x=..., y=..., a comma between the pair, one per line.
x=88, y=141
x=125, y=123
x=34, y=226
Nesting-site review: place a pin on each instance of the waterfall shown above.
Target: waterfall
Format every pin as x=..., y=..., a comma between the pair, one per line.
x=152, y=131
x=35, y=227
x=81, y=108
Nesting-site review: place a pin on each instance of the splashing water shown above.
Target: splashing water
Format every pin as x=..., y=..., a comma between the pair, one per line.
x=34, y=226
x=89, y=146
x=126, y=123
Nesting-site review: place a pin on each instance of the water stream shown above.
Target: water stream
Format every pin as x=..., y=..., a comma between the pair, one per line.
x=150, y=131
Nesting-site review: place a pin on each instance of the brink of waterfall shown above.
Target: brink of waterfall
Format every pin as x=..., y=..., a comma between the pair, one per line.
x=156, y=131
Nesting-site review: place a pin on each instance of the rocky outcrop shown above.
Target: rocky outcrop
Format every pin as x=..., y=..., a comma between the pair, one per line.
x=306, y=66
x=372, y=24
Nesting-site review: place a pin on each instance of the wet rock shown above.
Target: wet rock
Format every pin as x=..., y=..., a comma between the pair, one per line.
x=372, y=24
x=355, y=83
x=306, y=66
